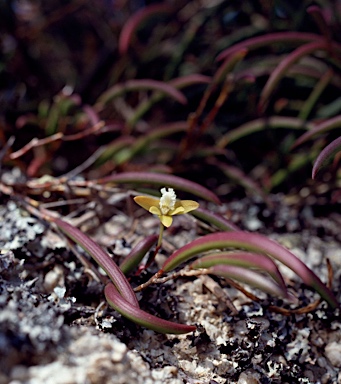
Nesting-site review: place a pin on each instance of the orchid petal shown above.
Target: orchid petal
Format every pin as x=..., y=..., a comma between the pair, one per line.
x=166, y=220
x=146, y=202
x=189, y=205
x=155, y=211
x=177, y=211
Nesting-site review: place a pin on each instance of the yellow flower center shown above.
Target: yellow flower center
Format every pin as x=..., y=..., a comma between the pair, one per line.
x=167, y=200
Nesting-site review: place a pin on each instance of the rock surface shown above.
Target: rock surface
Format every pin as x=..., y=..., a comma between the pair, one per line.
x=56, y=328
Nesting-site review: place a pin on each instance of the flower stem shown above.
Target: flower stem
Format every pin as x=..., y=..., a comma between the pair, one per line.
x=160, y=236
x=153, y=255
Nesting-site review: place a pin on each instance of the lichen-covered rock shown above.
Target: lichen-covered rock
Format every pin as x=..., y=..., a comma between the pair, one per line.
x=56, y=328
x=333, y=353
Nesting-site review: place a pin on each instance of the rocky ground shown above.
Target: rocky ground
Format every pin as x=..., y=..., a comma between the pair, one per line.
x=55, y=326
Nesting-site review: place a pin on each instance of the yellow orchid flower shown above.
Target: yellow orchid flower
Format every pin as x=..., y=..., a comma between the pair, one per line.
x=167, y=206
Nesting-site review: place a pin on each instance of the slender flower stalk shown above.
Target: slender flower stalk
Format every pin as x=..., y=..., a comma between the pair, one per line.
x=160, y=236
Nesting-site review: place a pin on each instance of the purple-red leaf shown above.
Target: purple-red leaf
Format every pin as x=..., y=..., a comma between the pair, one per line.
x=140, y=85
x=111, y=149
x=215, y=219
x=178, y=83
x=140, y=317
x=135, y=21
x=159, y=179
x=251, y=242
x=137, y=253
x=272, y=122
x=101, y=258
x=158, y=133
x=188, y=80
x=248, y=276
x=242, y=179
x=228, y=65
x=327, y=153
x=244, y=260
x=270, y=38
x=284, y=66
x=320, y=20
x=325, y=126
